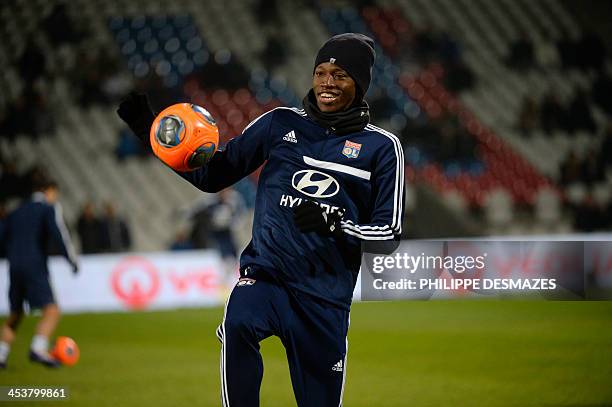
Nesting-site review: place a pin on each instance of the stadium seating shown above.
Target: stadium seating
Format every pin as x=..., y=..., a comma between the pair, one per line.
x=508, y=174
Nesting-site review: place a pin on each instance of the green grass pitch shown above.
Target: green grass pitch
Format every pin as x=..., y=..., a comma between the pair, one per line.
x=434, y=353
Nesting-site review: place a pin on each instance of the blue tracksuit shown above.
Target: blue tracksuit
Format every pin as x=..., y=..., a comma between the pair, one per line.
x=297, y=285
x=28, y=232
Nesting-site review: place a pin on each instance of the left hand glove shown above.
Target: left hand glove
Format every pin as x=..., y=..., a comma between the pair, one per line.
x=135, y=110
x=310, y=217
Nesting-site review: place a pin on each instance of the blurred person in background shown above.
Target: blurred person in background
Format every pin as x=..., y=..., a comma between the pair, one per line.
x=28, y=233
x=213, y=218
x=89, y=230
x=196, y=214
x=115, y=233
x=223, y=213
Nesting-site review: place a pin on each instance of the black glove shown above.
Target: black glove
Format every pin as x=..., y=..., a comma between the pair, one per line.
x=136, y=111
x=310, y=217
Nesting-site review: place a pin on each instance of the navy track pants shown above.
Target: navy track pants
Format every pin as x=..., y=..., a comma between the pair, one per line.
x=313, y=333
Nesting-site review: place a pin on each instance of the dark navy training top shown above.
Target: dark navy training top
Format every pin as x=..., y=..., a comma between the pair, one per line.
x=30, y=230
x=360, y=174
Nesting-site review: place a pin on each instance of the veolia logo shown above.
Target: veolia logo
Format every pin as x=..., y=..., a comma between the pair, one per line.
x=135, y=281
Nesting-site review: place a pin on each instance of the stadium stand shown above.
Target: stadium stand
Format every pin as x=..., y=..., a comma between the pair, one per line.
x=452, y=79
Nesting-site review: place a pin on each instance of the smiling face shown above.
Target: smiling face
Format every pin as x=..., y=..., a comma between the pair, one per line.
x=333, y=87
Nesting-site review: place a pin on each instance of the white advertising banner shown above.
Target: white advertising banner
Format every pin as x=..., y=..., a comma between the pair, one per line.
x=166, y=280
x=132, y=281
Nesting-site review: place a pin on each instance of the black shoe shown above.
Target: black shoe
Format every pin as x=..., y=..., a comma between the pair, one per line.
x=3, y=365
x=45, y=360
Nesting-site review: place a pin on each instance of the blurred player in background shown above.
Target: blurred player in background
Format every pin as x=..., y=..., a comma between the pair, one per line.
x=28, y=233
x=331, y=181
x=215, y=218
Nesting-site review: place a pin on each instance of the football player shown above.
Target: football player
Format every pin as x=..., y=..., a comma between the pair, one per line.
x=29, y=231
x=331, y=181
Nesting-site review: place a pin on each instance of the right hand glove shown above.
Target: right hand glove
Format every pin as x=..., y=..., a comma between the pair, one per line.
x=310, y=217
x=136, y=111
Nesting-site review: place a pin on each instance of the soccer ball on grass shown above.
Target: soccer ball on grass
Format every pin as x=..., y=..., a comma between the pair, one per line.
x=66, y=351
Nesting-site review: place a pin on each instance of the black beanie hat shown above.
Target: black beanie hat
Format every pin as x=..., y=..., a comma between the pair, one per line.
x=352, y=52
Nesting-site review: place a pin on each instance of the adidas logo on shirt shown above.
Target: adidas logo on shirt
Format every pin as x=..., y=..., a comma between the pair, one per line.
x=290, y=137
x=338, y=367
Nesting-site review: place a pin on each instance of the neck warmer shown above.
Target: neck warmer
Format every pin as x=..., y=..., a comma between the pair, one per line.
x=352, y=120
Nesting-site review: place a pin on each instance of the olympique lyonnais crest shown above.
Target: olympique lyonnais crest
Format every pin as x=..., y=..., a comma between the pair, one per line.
x=351, y=150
